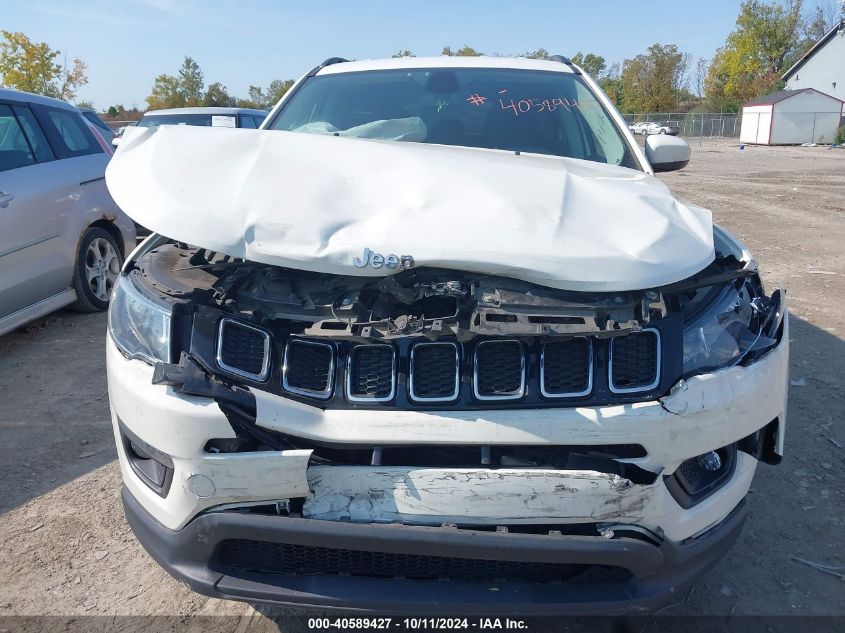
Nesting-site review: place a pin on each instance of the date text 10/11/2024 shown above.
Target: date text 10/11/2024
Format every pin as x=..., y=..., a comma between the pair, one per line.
x=417, y=624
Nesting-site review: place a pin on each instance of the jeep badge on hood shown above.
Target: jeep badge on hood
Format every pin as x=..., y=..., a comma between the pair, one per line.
x=377, y=260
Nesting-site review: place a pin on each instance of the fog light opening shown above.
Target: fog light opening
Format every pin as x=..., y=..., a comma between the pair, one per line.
x=151, y=466
x=700, y=476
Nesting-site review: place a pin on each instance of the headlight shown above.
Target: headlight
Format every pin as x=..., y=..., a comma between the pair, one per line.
x=139, y=327
x=734, y=325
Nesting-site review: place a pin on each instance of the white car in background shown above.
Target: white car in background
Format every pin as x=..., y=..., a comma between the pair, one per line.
x=203, y=117
x=62, y=237
x=651, y=127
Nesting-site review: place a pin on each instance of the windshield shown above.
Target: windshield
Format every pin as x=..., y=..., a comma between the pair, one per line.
x=518, y=110
x=202, y=120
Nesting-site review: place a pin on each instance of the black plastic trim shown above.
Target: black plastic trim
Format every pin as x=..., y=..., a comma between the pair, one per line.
x=203, y=341
x=565, y=60
x=660, y=572
x=670, y=166
x=685, y=498
x=128, y=439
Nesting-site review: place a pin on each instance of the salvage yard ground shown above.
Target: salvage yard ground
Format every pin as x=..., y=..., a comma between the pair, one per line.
x=66, y=550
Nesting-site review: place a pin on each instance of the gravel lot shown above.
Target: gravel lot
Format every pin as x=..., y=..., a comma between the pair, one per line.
x=66, y=550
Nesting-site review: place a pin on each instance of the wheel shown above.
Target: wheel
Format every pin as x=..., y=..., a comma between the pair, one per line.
x=98, y=264
x=663, y=131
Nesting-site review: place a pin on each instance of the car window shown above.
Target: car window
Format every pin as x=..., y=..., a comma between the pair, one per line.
x=245, y=120
x=34, y=134
x=93, y=118
x=15, y=150
x=73, y=132
x=518, y=110
x=201, y=120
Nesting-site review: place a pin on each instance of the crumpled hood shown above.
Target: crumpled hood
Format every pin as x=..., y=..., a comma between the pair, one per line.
x=316, y=203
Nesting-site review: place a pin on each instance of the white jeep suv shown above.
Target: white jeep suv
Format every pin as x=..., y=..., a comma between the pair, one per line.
x=435, y=339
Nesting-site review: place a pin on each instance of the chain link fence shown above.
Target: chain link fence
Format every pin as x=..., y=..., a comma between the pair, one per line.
x=780, y=128
x=693, y=124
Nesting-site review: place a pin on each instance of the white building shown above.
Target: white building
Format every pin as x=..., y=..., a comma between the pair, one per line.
x=823, y=66
x=791, y=117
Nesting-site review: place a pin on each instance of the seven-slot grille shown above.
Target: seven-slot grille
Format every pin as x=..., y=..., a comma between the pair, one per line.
x=371, y=373
x=435, y=372
x=243, y=350
x=308, y=368
x=634, y=361
x=499, y=370
x=566, y=368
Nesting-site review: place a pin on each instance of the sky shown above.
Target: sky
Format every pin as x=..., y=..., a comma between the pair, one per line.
x=127, y=43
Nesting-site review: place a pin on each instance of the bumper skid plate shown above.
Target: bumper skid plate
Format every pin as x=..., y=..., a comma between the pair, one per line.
x=653, y=573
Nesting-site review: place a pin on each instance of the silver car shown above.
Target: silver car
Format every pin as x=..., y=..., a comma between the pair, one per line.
x=62, y=237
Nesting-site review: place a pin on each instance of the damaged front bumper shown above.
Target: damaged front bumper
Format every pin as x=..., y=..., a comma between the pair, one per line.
x=214, y=552
x=526, y=516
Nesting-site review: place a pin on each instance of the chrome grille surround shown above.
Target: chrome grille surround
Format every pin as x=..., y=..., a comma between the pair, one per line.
x=448, y=398
x=349, y=376
x=574, y=394
x=658, y=353
x=512, y=395
x=324, y=394
x=265, y=364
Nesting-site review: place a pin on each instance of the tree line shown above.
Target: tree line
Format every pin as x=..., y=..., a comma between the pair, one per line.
x=769, y=36
x=187, y=88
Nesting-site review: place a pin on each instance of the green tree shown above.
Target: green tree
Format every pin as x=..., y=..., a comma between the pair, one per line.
x=191, y=82
x=466, y=51
x=166, y=93
x=277, y=89
x=217, y=95
x=31, y=66
x=593, y=64
x=85, y=104
x=178, y=91
x=765, y=42
x=256, y=97
x=540, y=53
x=611, y=83
x=820, y=20
x=654, y=81
x=72, y=77
x=403, y=53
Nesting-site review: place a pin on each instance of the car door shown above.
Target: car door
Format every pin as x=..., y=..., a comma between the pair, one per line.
x=37, y=197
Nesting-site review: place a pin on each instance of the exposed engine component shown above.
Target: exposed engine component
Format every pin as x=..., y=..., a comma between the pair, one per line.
x=418, y=302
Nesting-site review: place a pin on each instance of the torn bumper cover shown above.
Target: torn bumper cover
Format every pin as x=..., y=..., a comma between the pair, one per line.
x=214, y=554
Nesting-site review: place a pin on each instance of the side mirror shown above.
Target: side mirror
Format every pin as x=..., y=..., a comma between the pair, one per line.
x=667, y=153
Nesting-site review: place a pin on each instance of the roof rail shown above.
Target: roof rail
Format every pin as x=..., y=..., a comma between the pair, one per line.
x=565, y=60
x=328, y=62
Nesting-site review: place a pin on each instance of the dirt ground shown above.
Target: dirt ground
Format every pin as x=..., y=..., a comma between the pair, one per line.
x=66, y=550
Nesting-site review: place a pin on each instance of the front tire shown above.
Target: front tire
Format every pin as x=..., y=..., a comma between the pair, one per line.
x=98, y=264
